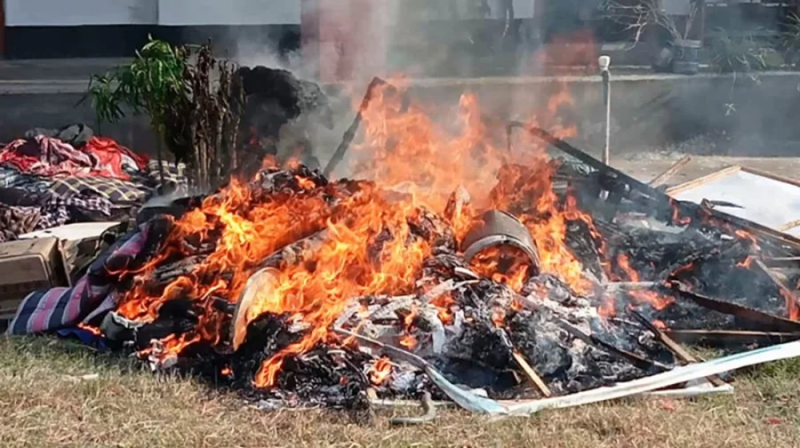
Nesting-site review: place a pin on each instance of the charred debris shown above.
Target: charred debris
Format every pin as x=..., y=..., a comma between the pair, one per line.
x=287, y=329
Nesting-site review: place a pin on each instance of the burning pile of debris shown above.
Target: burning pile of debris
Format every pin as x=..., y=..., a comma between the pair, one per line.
x=462, y=272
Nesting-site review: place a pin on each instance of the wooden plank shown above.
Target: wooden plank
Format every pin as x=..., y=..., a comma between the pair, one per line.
x=768, y=175
x=789, y=225
x=793, y=303
x=662, y=178
x=676, y=348
x=782, y=262
x=731, y=337
x=768, y=321
x=704, y=180
x=534, y=377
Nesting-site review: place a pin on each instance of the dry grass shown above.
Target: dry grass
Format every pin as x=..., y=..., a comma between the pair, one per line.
x=43, y=402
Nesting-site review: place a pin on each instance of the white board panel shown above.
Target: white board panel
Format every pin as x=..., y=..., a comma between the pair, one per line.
x=766, y=201
x=228, y=12
x=80, y=12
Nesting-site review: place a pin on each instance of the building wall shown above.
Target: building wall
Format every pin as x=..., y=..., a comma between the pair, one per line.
x=116, y=28
x=51, y=13
x=28, y=13
x=228, y=12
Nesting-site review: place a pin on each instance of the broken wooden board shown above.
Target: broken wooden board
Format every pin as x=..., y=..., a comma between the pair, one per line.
x=766, y=199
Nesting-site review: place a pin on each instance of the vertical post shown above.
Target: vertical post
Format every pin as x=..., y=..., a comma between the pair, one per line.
x=605, y=62
x=2, y=28
x=700, y=19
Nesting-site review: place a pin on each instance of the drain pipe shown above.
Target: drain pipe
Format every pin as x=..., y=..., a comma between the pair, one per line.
x=605, y=62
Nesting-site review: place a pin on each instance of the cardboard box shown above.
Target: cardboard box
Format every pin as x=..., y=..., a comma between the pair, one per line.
x=27, y=266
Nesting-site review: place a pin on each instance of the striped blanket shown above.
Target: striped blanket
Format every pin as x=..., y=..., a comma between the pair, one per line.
x=58, y=308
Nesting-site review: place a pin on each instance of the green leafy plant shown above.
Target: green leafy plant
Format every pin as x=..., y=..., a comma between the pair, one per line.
x=194, y=107
x=739, y=54
x=790, y=39
x=636, y=16
x=150, y=84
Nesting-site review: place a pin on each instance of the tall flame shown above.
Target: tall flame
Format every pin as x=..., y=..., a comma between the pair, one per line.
x=414, y=163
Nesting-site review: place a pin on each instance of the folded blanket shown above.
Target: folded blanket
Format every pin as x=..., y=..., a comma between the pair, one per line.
x=59, y=308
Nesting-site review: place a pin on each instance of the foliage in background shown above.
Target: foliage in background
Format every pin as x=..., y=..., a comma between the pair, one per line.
x=637, y=16
x=194, y=107
x=740, y=54
x=790, y=39
x=152, y=82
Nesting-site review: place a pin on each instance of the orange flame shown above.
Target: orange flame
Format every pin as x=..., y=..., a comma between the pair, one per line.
x=408, y=340
x=639, y=296
x=91, y=329
x=745, y=264
x=507, y=264
x=370, y=248
x=443, y=304
x=498, y=317
x=380, y=371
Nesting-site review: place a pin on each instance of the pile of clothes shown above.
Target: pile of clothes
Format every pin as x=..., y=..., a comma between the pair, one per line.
x=55, y=177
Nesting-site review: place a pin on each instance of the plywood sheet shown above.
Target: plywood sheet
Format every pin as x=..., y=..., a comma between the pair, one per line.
x=766, y=201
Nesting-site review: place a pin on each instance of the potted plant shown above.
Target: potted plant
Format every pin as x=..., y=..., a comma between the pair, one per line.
x=636, y=16
x=790, y=39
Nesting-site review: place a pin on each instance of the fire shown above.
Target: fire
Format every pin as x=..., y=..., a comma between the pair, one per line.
x=608, y=307
x=507, y=264
x=411, y=163
x=677, y=219
x=656, y=300
x=443, y=304
x=498, y=317
x=745, y=235
x=408, y=340
x=685, y=269
x=745, y=264
x=624, y=264
x=638, y=296
x=380, y=371
x=91, y=329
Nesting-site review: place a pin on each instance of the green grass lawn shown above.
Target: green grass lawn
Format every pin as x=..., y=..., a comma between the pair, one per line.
x=46, y=401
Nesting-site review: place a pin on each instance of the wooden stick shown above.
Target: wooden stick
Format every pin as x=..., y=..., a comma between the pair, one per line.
x=782, y=262
x=704, y=180
x=789, y=225
x=772, y=176
x=794, y=303
x=676, y=348
x=350, y=133
x=723, y=337
x=662, y=178
x=537, y=380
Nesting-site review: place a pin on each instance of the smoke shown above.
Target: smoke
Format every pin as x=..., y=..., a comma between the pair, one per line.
x=347, y=42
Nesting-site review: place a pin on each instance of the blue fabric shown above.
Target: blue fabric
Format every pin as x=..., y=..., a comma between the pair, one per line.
x=85, y=337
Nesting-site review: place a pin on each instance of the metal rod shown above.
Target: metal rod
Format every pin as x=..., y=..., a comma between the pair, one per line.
x=605, y=63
